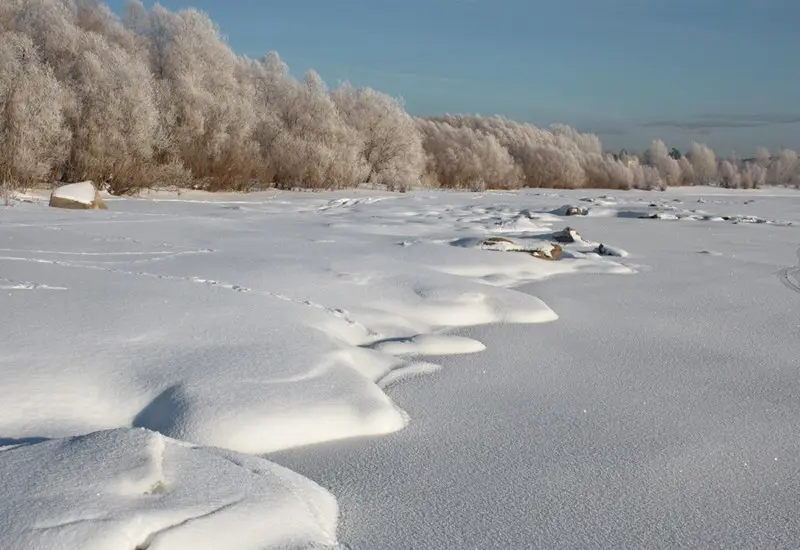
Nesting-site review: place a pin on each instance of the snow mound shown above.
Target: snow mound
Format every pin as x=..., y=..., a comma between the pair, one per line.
x=570, y=210
x=502, y=244
x=430, y=344
x=264, y=416
x=407, y=371
x=661, y=216
x=350, y=202
x=521, y=223
x=132, y=488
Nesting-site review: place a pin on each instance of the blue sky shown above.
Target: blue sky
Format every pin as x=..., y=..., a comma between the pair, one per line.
x=725, y=72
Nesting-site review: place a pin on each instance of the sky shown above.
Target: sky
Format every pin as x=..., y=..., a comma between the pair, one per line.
x=722, y=72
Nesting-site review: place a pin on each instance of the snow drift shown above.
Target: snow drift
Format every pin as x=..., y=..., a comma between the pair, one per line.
x=132, y=488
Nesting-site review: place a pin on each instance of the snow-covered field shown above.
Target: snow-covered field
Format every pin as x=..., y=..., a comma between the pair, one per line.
x=638, y=394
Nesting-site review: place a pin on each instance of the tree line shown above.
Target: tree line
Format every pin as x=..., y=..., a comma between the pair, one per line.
x=158, y=99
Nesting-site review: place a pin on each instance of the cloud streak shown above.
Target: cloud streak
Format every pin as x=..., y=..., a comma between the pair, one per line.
x=707, y=122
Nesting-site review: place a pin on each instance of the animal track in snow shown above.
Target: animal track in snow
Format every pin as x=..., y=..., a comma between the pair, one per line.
x=790, y=276
x=336, y=312
x=10, y=284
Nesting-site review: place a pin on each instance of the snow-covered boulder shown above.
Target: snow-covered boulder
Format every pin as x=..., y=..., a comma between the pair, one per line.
x=543, y=250
x=659, y=216
x=605, y=250
x=133, y=488
x=571, y=210
x=500, y=244
x=547, y=251
x=77, y=196
x=567, y=235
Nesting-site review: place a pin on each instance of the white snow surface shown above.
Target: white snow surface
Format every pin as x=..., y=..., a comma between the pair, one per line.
x=132, y=488
x=430, y=344
x=274, y=323
x=253, y=325
x=83, y=192
x=659, y=411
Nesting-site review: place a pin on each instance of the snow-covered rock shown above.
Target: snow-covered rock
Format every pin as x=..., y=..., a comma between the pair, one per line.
x=547, y=251
x=571, y=210
x=500, y=244
x=538, y=249
x=567, y=235
x=605, y=250
x=659, y=216
x=77, y=196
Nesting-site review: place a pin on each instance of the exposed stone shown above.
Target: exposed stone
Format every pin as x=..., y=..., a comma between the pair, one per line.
x=567, y=235
x=496, y=240
x=77, y=196
x=543, y=250
x=604, y=250
x=548, y=251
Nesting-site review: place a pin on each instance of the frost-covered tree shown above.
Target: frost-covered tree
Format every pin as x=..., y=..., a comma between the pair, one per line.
x=93, y=16
x=546, y=158
x=552, y=166
x=752, y=175
x=114, y=120
x=607, y=173
x=160, y=98
x=463, y=158
x=729, y=175
x=704, y=164
x=392, y=144
x=657, y=156
x=688, y=176
x=51, y=26
x=313, y=146
x=587, y=143
x=33, y=137
x=763, y=156
x=204, y=95
x=8, y=11
x=108, y=105
x=785, y=169
x=649, y=178
x=136, y=18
